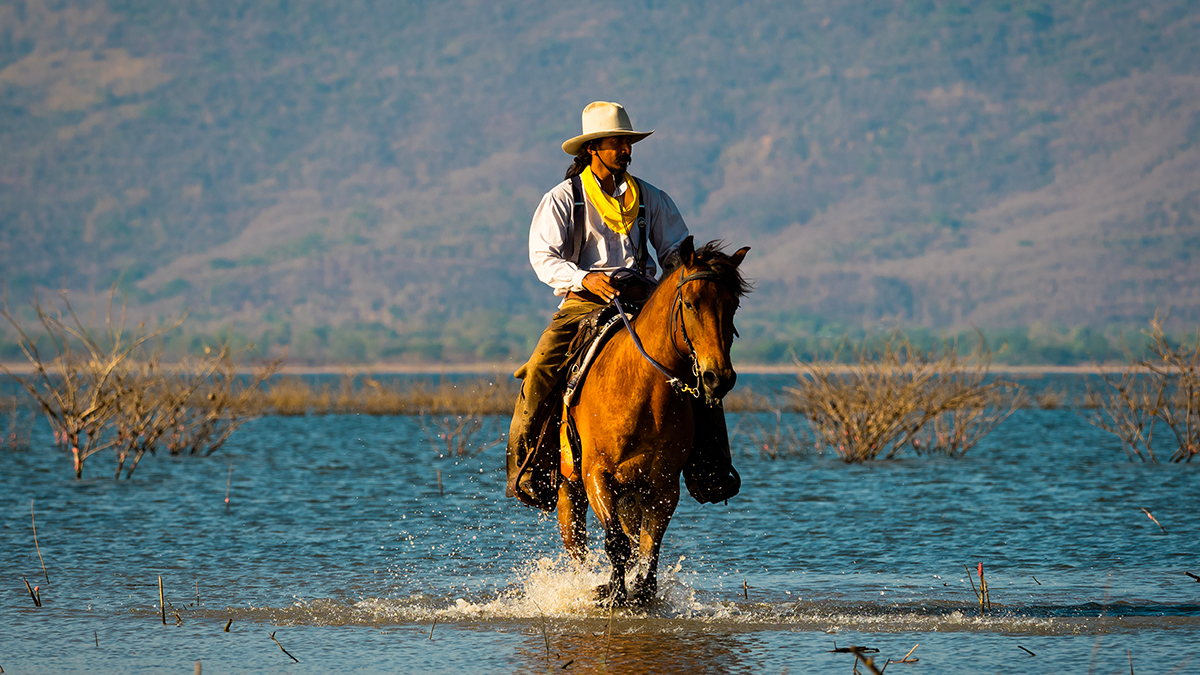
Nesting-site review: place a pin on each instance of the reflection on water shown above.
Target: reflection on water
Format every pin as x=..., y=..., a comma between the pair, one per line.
x=338, y=539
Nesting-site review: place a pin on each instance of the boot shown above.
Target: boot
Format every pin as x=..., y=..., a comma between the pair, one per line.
x=532, y=480
x=709, y=474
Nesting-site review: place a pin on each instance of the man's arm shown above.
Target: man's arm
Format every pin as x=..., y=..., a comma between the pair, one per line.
x=547, y=248
x=547, y=244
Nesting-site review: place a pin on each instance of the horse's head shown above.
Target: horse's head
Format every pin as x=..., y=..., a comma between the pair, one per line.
x=708, y=289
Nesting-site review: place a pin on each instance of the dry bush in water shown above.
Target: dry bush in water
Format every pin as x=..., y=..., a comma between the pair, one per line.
x=457, y=413
x=217, y=399
x=102, y=389
x=1050, y=399
x=19, y=428
x=777, y=441
x=148, y=403
x=74, y=385
x=894, y=395
x=1162, y=388
x=454, y=436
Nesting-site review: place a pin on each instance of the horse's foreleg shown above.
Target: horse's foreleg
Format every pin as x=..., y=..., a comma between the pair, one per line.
x=656, y=515
x=603, y=499
x=616, y=545
x=572, y=518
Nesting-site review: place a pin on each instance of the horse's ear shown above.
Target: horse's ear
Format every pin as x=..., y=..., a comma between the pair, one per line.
x=739, y=255
x=687, y=251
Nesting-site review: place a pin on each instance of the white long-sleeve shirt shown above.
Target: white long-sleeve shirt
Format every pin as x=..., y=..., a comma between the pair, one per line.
x=603, y=249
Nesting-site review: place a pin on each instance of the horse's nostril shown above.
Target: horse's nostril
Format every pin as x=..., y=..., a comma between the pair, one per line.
x=710, y=378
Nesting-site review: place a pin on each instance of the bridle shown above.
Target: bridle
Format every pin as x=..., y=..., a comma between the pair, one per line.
x=676, y=323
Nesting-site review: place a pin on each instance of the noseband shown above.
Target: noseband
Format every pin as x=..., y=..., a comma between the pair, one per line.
x=677, y=322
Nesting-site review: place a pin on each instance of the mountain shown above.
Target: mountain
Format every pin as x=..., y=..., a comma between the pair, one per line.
x=354, y=181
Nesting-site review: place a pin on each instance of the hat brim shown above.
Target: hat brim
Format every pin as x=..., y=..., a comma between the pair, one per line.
x=574, y=145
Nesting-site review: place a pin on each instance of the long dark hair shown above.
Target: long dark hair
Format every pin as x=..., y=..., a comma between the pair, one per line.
x=582, y=161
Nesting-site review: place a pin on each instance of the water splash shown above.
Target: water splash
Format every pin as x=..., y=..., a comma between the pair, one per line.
x=546, y=587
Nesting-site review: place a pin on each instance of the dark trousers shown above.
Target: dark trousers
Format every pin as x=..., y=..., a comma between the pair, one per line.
x=541, y=376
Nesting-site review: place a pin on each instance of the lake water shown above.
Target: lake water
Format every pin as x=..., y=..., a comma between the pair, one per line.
x=337, y=540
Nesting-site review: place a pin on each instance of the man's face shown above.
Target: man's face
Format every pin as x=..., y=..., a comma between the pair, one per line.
x=615, y=151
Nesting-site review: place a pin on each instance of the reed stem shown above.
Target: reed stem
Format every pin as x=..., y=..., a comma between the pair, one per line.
x=32, y=596
x=971, y=579
x=162, y=605
x=35, y=542
x=1164, y=530
x=272, y=634
x=545, y=632
x=608, y=632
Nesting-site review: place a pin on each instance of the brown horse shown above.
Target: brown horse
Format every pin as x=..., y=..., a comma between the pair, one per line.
x=635, y=425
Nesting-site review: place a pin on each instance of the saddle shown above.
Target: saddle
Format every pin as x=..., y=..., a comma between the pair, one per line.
x=594, y=331
x=556, y=438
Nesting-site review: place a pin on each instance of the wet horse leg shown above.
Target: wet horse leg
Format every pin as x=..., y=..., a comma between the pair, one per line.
x=616, y=544
x=656, y=515
x=572, y=518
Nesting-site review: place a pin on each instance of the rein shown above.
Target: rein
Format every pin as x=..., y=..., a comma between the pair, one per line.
x=676, y=320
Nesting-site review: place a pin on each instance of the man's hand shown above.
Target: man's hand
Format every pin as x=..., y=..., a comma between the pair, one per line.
x=601, y=285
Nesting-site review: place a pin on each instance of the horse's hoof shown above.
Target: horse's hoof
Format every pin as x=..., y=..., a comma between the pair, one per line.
x=643, y=595
x=611, y=593
x=643, y=599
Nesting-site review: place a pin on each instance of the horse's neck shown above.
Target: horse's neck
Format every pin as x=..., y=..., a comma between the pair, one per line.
x=653, y=326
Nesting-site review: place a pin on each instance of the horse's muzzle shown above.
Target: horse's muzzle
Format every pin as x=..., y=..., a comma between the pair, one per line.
x=717, y=382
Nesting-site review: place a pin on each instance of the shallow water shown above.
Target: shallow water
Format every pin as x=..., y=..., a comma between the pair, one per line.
x=337, y=540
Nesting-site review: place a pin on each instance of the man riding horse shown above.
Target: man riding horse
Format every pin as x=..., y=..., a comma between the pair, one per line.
x=588, y=233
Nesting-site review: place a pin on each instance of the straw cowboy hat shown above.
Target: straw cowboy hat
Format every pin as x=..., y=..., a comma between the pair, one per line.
x=602, y=119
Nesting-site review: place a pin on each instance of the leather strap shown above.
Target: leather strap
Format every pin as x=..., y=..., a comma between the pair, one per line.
x=578, y=227
x=642, y=251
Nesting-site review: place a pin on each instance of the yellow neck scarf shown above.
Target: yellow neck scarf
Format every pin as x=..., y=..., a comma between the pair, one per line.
x=617, y=216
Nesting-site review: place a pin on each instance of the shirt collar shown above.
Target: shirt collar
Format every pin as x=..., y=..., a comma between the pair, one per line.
x=620, y=189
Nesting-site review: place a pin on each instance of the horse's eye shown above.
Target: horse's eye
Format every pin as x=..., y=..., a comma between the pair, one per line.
x=690, y=306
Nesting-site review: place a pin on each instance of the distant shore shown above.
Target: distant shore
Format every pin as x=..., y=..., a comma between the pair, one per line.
x=506, y=369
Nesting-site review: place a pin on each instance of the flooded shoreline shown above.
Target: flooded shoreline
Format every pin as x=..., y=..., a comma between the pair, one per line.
x=337, y=538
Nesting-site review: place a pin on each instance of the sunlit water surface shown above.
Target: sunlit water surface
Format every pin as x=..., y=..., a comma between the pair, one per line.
x=337, y=539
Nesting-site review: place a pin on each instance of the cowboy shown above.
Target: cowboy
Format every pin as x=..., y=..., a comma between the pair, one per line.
x=582, y=273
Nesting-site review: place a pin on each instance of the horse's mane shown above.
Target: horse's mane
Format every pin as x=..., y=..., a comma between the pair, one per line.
x=711, y=257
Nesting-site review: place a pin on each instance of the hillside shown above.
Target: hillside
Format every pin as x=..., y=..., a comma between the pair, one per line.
x=355, y=182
